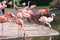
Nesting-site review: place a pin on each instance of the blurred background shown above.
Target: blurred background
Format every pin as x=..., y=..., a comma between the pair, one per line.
x=51, y=3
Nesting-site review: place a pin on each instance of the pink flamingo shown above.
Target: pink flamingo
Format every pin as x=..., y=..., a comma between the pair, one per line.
x=33, y=6
x=4, y=1
x=3, y=19
x=24, y=4
x=46, y=20
x=33, y=16
x=17, y=21
x=43, y=11
x=20, y=23
x=10, y=3
x=10, y=15
x=24, y=14
x=4, y=6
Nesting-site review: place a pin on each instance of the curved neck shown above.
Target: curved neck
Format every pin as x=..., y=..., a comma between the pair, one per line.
x=52, y=16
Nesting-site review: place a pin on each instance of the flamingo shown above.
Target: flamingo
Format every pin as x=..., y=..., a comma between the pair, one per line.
x=26, y=15
x=24, y=4
x=46, y=20
x=10, y=3
x=4, y=6
x=33, y=16
x=20, y=23
x=43, y=11
x=10, y=15
x=33, y=6
x=19, y=15
x=4, y=1
x=17, y=21
x=23, y=14
x=4, y=19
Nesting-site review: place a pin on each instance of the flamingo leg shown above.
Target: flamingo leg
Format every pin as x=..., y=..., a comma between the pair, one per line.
x=23, y=31
x=2, y=28
x=49, y=25
x=50, y=38
x=35, y=19
x=43, y=24
x=18, y=31
x=25, y=34
x=28, y=20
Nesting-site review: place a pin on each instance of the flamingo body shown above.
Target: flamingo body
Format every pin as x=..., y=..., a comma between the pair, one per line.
x=26, y=15
x=3, y=19
x=19, y=22
x=19, y=15
x=46, y=20
x=9, y=14
x=42, y=11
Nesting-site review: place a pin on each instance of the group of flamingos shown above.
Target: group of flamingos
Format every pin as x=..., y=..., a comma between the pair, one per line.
x=27, y=14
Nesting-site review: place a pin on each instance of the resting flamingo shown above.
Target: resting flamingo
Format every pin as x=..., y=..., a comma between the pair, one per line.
x=4, y=19
x=43, y=11
x=46, y=20
x=10, y=15
x=23, y=14
x=19, y=22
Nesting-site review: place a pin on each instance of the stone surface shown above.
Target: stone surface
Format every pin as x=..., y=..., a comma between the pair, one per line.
x=12, y=30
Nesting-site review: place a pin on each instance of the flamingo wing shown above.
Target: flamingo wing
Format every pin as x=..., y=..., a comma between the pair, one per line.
x=19, y=15
x=43, y=19
x=49, y=19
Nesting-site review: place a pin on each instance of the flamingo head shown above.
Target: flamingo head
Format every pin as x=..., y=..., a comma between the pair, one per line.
x=33, y=6
x=47, y=9
x=39, y=11
x=9, y=14
x=24, y=4
x=53, y=14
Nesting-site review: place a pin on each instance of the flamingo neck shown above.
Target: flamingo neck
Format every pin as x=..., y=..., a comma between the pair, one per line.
x=52, y=16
